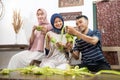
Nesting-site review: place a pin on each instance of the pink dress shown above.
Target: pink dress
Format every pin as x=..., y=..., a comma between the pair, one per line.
x=23, y=58
x=38, y=44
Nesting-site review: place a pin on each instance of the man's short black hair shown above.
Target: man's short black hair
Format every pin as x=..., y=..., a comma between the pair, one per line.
x=82, y=16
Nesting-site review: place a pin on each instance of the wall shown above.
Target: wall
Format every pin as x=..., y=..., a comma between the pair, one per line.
x=28, y=11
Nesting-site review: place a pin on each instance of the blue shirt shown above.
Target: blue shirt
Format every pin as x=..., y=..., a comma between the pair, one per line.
x=90, y=53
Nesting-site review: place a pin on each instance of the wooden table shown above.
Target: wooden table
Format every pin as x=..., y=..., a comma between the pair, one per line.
x=17, y=76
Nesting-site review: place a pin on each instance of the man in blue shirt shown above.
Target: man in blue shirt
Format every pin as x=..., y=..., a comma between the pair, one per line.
x=88, y=42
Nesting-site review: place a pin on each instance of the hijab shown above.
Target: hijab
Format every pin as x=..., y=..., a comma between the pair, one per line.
x=45, y=16
x=56, y=15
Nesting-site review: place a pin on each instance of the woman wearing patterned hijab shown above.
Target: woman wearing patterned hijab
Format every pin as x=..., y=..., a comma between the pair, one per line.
x=36, y=48
x=55, y=43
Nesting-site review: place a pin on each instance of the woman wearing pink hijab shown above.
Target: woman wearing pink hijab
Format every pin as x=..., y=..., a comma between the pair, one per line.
x=36, y=48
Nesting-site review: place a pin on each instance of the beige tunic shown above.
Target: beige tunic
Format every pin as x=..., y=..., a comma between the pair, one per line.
x=55, y=58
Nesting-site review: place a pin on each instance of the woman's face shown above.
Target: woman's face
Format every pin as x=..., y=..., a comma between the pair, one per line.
x=40, y=16
x=58, y=23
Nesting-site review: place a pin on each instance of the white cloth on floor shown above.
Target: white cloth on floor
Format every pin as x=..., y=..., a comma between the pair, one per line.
x=23, y=59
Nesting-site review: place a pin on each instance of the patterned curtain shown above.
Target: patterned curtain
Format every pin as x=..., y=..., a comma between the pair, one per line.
x=108, y=17
x=108, y=22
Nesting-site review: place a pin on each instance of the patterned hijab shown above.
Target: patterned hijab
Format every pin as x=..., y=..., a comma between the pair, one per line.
x=45, y=16
x=56, y=15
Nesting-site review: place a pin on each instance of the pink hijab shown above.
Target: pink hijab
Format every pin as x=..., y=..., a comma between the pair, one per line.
x=38, y=44
x=45, y=16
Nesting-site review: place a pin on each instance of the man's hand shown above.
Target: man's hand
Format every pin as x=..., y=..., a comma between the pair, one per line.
x=71, y=30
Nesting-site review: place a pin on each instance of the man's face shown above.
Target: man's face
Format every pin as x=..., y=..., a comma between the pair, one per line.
x=82, y=24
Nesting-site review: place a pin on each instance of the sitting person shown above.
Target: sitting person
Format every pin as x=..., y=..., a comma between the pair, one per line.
x=88, y=42
x=36, y=48
x=56, y=45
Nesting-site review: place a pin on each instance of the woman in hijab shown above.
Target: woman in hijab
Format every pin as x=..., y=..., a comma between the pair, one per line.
x=36, y=48
x=56, y=47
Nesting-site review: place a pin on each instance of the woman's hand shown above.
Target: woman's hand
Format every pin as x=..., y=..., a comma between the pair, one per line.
x=68, y=46
x=59, y=44
x=48, y=39
x=32, y=34
x=34, y=28
x=44, y=30
x=76, y=54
